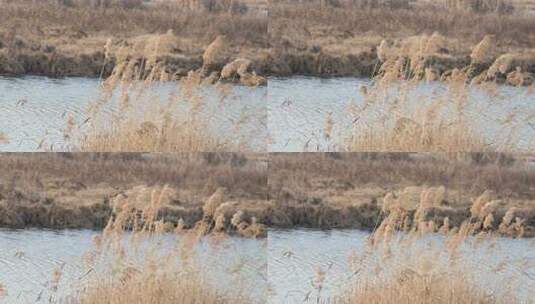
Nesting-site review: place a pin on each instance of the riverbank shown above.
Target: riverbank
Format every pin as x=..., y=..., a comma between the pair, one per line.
x=65, y=41
x=236, y=194
x=355, y=190
x=59, y=190
x=303, y=39
x=345, y=40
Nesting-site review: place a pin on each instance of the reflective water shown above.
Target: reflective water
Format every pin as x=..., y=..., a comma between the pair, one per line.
x=299, y=108
x=285, y=267
x=28, y=259
x=34, y=110
x=295, y=257
x=290, y=114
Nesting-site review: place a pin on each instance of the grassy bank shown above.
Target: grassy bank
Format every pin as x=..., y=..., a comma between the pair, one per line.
x=237, y=194
x=77, y=190
x=302, y=38
x=48, y=39
x=348, y=190
x=326, y=40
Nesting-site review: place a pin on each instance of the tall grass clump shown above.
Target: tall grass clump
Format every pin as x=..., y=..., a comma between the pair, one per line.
x=130, y=262
x=131, y=115
x=399, y=113
x=413, y=256
x=482, y=6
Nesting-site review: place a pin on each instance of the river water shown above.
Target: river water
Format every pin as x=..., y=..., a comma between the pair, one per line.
x=299, y=108
x=281, y=269
x=28, y=259
x=34, y=110
x=289, y=115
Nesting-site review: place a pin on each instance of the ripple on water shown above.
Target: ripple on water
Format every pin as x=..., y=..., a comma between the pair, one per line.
x=36, y=108
x=29, y=257
x=294, y=257
x=298, y=108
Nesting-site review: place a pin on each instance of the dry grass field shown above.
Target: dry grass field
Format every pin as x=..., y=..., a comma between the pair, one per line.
x=56, y=190
x=341, y=40
x=44, y=38
x=209, y=192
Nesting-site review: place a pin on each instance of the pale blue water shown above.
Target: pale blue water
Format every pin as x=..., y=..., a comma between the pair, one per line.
x=278, y=270
x=33, y=109
x=298, y=108
x=28, y=259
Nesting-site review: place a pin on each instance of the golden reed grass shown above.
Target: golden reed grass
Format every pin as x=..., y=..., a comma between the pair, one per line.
x=395, y=269
x=3, y=138
x=142, y=121
x=161, y=275
x=394, y=117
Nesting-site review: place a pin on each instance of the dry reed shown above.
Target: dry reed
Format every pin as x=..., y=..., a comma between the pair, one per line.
x=395, y=118
x=162, y=275
x=393, y=270
x=141, y=121
x=3, y=138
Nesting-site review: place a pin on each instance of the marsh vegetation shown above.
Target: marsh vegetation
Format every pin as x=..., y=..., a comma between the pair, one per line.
x=177, y=196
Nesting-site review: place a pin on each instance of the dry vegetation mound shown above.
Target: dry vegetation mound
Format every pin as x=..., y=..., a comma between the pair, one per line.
x=70, y=40
x=341, y=40
x=87, y=190
x=231, y=194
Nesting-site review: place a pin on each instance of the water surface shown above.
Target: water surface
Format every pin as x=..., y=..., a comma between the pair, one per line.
x=299, y=108
x=28, y=259
x=282, y=268
x=34, y=110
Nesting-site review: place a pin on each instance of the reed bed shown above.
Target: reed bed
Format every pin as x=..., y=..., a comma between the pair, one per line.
x=3, y=138
x=125, y=270
x=140, y=258
x=400, y=270
x=393, y=118
x=130, y=115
